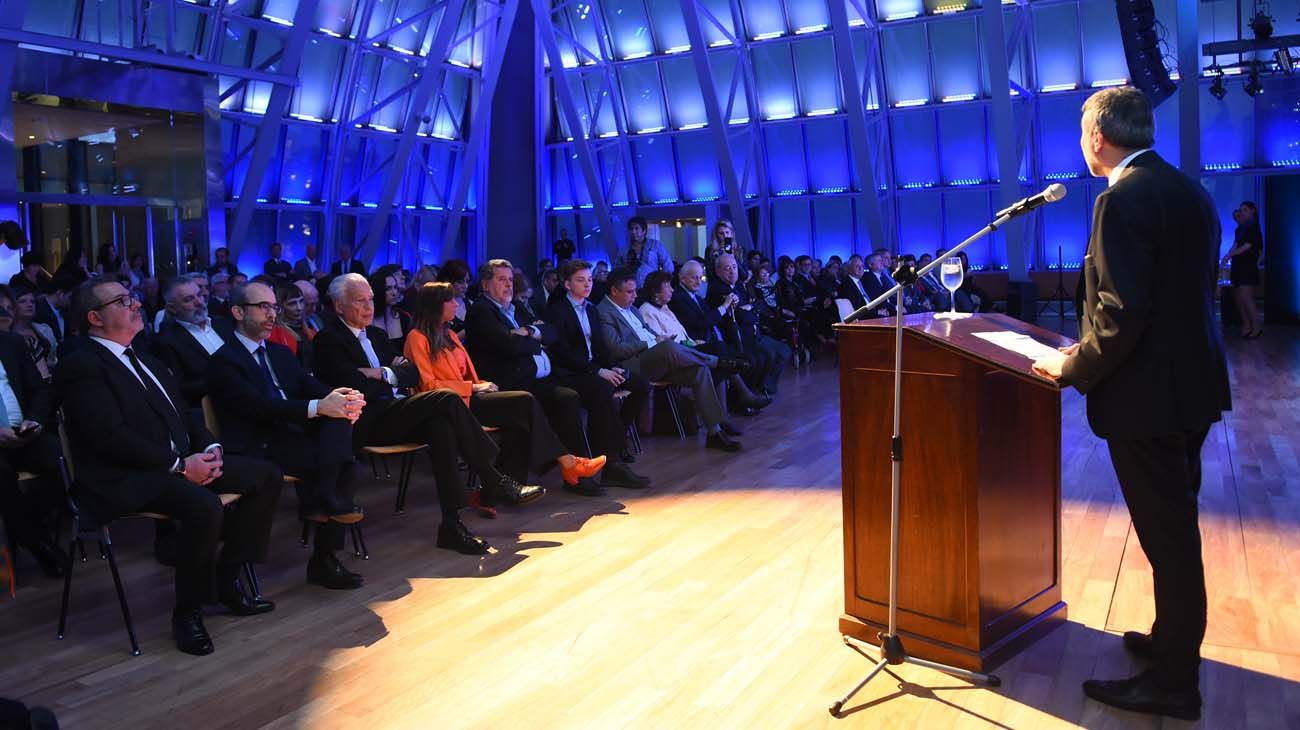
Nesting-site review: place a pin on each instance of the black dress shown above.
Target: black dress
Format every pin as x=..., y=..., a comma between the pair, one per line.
x=1245, y=265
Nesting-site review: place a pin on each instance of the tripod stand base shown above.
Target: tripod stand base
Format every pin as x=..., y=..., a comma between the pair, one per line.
x=892, y=652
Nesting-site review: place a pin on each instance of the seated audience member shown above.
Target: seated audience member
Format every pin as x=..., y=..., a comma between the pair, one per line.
x=28, y=442
x=599, y=283
x=657, y=313
x=548, y=285
x=795, y=307
x=523, y=300
x=6, y=309
x=221, y=263
x=768, y=355
x=877, y=279
x=581, y=362
x=151, y=301
x=346, y=264
x=704, y=324
x=773, y=318
x=53, y=303
x=830, y=277
x=311, y=315
x=387, y=285
x=291, y=330
x=32, y=275
x=633, y=346
x=456, y=273
x=510, y=352
x=859, y=289
x=527, y=441
x=137, y=448
x=352, y=353
x=188, y=337
x=971, y=297
x=219, y=303
x=270, y=408
x=42, y=345
x=918, y=297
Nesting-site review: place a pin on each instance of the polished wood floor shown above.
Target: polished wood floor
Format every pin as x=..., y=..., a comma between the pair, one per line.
x=709, y=601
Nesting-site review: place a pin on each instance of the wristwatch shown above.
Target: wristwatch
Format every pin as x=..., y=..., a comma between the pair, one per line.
x=178, y=467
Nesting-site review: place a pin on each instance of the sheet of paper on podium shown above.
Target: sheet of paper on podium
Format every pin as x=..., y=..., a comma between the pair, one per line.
x=1018, y=343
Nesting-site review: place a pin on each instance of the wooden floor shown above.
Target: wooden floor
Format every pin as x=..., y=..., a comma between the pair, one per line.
x=709, y=601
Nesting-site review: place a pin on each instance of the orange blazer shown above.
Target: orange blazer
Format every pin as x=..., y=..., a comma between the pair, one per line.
x=451, y=369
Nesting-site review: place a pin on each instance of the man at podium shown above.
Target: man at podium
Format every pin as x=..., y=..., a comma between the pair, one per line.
x=1150, y=361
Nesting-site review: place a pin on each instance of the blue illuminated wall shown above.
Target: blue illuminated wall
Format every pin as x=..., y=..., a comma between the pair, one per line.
x=926, y=96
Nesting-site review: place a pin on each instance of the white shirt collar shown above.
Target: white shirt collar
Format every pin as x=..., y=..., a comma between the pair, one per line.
x=117, y=348
x=191, y=326
x=248, y=344
x=1113, y=177
x=356, y=332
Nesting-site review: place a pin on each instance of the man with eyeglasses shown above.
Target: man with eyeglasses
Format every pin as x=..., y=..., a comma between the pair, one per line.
x=188, y=337
x=271, y=408
x=136, y=447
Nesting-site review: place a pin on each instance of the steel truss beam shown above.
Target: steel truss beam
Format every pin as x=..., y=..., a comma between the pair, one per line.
x=855, y=106
x=1004, y=131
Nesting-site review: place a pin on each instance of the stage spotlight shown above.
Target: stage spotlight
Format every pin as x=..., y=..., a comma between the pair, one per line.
x=1217, y=89
x=1262, y=25
x=1253, y=87
x=1285, y=63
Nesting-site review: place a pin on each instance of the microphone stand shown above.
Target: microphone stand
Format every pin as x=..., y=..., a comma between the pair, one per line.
x=891, y=645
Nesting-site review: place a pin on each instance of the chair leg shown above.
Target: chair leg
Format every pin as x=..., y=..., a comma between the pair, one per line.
x=254, y=585
x=306, y=533
x=67, y=581
x=374, y=470
x=384, y=460
x=81, y=548
x=103, y=553
x=404, y=471
x=359, y=542
x=106, y=544
x=677, y=416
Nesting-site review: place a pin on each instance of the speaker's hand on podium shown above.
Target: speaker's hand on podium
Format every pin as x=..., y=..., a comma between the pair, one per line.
x=1050, y=367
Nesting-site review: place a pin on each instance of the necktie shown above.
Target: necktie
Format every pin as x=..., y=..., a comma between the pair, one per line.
x=162, y=404
x=369, y=349
x=272, y=389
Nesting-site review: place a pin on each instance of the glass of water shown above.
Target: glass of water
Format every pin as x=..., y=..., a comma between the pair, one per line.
x=951, y=275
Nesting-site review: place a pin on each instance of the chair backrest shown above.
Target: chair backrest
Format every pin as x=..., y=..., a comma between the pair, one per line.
x=67, y=450
x=210, y=416
x=844, y=307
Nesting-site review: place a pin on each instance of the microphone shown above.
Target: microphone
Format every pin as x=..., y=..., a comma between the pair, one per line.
x=1050, y=194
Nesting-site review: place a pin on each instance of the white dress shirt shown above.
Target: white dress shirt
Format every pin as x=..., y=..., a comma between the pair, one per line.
x=542, y=361
x=252, y=348
x=637, y=325
x=1113, y=177
x=389, y=376
x=205, y=334
x=13, y=409
x=663, y=321
x=580, y=308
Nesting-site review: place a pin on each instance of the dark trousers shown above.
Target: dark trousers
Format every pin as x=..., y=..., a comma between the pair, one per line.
x=606, y=422
x=771, y=355
x=1161, y=478
x=320, y=456
x=27, y=516
x=563, y=408
x=527, y=440
x=245, y=528
x=440, y=419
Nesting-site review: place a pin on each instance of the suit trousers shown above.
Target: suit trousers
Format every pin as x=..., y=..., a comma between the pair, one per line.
x=440, y=419
x=685, y=367
x=245, y=528
x=527, y=440
x=320, y=456
x=606, y=422
x=774, y=355
x=27, y=515
x=563, y=408
x=1161, y=478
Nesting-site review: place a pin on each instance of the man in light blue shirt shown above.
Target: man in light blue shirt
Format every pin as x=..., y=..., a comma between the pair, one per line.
x=642, y=254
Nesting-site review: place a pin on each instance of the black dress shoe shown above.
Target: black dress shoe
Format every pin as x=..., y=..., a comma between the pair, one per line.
x=327, y=572
x=512, y=492
x=456, y=536
x=1143, y=694
x=721, y=442
x=618, y=475
x=739, y=410
x=729, y=429
x=627, y=457
x=1139, y=644
x=190, y=634
x=731, y=366
x=231, y=595
x=587, y=487
x=53, y=561
x=758, y=402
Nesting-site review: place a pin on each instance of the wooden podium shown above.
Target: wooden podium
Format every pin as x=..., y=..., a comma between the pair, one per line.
x=980, y=512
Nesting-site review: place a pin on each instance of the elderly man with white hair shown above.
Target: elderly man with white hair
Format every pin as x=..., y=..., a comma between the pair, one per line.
x=352, y=353
x=727, y=294
x=310, y=304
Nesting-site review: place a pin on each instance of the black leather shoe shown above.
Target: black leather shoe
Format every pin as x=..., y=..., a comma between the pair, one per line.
x=1143, y=694
x=512, y=492
x=618, y=475
x=731, y=365
x=327, y=572
x=231, y=595
x=52, y=560
x=729, y=429
x=190, y=634
x=757, y=403
x=1139, y=644
x=587, y=487
x=627, y=457
x=721, y=442
x=456, y=536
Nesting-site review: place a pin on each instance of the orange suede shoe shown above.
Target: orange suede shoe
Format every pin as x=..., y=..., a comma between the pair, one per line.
x=584, y=468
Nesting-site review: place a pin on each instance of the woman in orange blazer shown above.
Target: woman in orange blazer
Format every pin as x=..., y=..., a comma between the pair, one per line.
x=527, y=438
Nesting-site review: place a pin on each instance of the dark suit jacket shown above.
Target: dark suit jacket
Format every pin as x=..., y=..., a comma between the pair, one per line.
x=277, y=269
x=356, y=267
x=698, y=319
x=115, y=432
x=45, y=315
x=569, y=353
x=849, y=290
x=743, y=328
x=302, y=270
x=31, y=390
x=1150, y=356
x=338, y=357
x=501, y=357
x=250, y=420
x=186, y=358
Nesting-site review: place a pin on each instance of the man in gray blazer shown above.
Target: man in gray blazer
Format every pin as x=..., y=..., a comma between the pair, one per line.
x=633, y=346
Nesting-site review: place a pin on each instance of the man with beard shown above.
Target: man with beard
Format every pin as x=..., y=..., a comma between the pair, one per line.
x=188, y=337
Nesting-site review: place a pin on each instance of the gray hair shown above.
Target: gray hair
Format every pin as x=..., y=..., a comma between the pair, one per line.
x=718, y=261
x=339, y=286
x=693, y=265
x=1123, y=116
x=488, y=270
x=169, y=291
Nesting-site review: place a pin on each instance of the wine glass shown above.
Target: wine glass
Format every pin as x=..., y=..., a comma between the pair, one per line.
x=951, y=275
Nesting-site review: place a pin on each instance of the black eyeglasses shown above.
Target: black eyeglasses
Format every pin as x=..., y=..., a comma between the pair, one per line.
x=268, y=307
x=125, y=300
